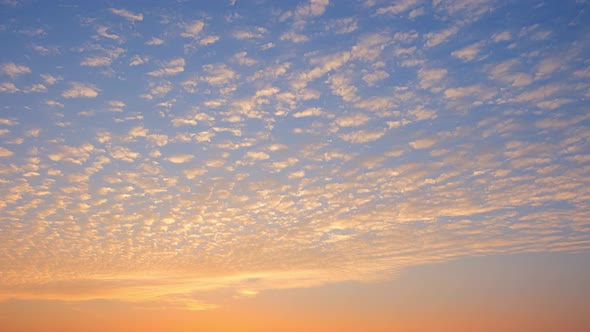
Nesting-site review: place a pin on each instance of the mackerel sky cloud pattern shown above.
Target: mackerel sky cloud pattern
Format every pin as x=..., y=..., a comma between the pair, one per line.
x=151, y=154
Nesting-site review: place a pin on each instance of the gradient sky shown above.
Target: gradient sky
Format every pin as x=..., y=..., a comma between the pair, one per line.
x=316, y=165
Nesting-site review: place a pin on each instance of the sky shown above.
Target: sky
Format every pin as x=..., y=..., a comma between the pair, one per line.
x=317, y=165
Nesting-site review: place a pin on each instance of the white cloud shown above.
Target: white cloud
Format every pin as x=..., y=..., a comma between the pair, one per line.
x=103, y=31
x=429, y=78
x=502, y=36
x=398, y=7
x=192, y=173
x=127, y=14
x=5, y=152
x=439, y=37
x=81, y=90
x=180, y=158
x=154, y=41
x=362, y=136
x=208, y=40
x=96, y=61
x=468, y=53
x=424, y=143
x=171, y=67
x=137, y=60
x=8, y=87
x=294, y=36
x=241, y=58
x=218, y=74
x=193, y=29
x=13, y=70
x=49, y=79
x=257, y=155
x=312, y=111
x=352, y=120
x=372, y=78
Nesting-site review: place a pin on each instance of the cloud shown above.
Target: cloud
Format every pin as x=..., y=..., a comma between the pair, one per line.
x=208, y=40
x=103, y=32
x=137, y=60
x=313, y=111
x=374, y=77
x=430, y=78
x=127, y=14
x=352, y=120
x=439, y=37
x=192, y=173
x=8, y=87
x=154, y=41
x=257, y=155
x=49, y=79
x=96, y=61
x=5, y=152
x=180, y=158
x=424, y=143
x=193, y=29
x=81, y=90
x=218, y=74
x=398, y=7
x=501, y=36
x=171, y=67
x=13, y=70
x=362, y=136
x=468, y=53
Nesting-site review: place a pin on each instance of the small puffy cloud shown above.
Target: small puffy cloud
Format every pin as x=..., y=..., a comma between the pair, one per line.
x=137, y=60
x=257, y=155
x=127, y=14
x=103, y=31
x=13, y=70
x=476, y=91
x=343, y=25
x=362, y=136
x=180, y=158
x=96, y=61
x=424, y=143
x=36, y=88
x=54, y=103
x=241, y=58
x=208, y=40
x=294, y=37
x=8, y=87
x=439, y=37
x=171, y=67
x=258, y=32
x=123, y=153
x=138, y=131
x=192, y=173
x=398, y=7
x=49, y=79
x=430, y=77
x=374, y=77
x=193, y=29
x=312, y=8
x=502, y=36
x=312, y=111
x=154, y=41
x=81, y=90
x=468, y=53
x=218, y=74
x=5, y=152
x=353, y=120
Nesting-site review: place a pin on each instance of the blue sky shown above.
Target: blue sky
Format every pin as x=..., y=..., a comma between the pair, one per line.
x=152, y=151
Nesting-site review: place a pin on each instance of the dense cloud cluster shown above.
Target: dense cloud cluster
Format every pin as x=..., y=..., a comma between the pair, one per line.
x=150, y=155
